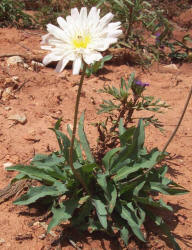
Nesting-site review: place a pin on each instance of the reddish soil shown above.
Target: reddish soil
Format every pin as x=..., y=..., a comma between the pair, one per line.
x=43, y=95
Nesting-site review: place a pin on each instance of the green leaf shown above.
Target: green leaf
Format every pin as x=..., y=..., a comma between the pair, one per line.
x=50, y=163
x=121, y=127
x=93, y=226
x=83, y=213
x=108, y=158
x=129, y=2
x=127, y=135
x=33, y=173
x=127, y=187
x=84, y=199
x=122, y=159
x=87, y=173
x=62, y=214
x=64, y=143
x=149, y=201
x=160, y=222
x=109, y=189
x=129, y=216
x=18, y=177
x=138, y=188
x=142, y=215
x=137, y=212
x=120, y=3
x=77, y=147
x=124, y=232
x=139, y=137
x=125, y=171
x=149, y=161
x=101, y=211
x=164, y=189
x=58, y=123
x=36, y=193
x=84, y=141
x=112, y=196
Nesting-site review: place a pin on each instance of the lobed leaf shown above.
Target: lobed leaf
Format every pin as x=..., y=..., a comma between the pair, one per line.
x=63, y=213
x=36, y=193
x=129, y=216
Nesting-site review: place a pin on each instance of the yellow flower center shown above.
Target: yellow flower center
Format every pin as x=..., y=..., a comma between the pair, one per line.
x=81, y=41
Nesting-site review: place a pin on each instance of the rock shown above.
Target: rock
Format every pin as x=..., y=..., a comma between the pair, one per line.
x=15, y=78
x=14, y=60
x=36, y=223
x=37, y=64
x=26, y=66
x=11, y=81
x=171, y=68
x=7, y=164
x=2, y=241
x=21, y=237
x=7, y=108
x=42, y=236
x=8, y=94
x=21, y=118
x=45, y=226
x=32, y=136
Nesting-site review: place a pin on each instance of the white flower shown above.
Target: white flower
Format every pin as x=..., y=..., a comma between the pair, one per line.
x=79, y=38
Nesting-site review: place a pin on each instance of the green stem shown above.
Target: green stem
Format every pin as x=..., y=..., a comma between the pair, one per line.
x=75, y=172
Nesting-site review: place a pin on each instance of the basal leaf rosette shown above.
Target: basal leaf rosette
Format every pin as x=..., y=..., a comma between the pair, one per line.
x=81, y=37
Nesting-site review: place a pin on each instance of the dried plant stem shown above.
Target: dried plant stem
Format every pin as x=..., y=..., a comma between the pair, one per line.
x=179, y=122
x=75, y=172
x=128, y=32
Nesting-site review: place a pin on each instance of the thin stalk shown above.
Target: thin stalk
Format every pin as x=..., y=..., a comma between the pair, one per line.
x=75, y=172
x=179, y=122
x=131, y=110
x=130, y=23
x=171, y=137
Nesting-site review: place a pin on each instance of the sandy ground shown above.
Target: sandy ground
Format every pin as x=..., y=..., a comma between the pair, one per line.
x=43, y=96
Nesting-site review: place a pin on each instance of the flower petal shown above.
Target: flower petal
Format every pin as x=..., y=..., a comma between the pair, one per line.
x=92, y=56
x=62, y=23
x=74, y=14
x=46, y=47
x=115, y=25
x=115, y=33
x=83, y=13
x=106, y=19
x=77, y=65
x=61, y=65
x=51, y=58
x=55, y=31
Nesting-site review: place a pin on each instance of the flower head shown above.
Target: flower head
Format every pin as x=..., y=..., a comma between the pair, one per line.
x=142, y=84
x=157, y=35
x=79, y=38
x=138, y=87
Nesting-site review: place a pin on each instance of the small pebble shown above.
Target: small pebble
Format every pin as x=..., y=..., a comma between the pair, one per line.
x=2, y=241
x=7, y=108
x=42, y=236
x=21, y=118
x=7, y=164
x=14, y=60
